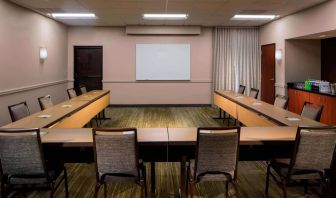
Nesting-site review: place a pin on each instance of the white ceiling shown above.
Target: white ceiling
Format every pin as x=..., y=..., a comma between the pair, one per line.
x=201, y=12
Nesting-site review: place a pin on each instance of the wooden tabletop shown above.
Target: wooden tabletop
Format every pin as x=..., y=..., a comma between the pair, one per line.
x=175, y=136
x=57, y=112
x=83, y=136
x=276, y=114
x=248, y=135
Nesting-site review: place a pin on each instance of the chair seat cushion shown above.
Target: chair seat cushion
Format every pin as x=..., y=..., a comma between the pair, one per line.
x=17, y=180
x=278, y=166
x=208, y=177
x=111, y=178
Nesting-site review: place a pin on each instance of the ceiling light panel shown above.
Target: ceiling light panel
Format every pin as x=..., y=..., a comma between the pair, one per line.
x=73, y=15
x=253, y=17
x=165, y=16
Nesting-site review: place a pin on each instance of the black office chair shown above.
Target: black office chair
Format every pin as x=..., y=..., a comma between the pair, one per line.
x=18, y=111
x=241, y=89
x=312, y=111
x=254, y=93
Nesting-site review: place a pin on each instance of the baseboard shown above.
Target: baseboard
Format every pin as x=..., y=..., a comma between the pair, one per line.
x=160, y=105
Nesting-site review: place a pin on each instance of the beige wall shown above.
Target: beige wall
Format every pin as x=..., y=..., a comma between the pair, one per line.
x=22, y=76
x=318, y=19
x=303, y=60
x=119, y=66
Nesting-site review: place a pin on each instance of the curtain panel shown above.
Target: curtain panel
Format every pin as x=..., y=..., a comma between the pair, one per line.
x=236, y=58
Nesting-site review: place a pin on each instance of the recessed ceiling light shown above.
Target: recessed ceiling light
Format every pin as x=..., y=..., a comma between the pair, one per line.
x=74, y=15
x=253, y=17
x=165, y=16
x=322, y=36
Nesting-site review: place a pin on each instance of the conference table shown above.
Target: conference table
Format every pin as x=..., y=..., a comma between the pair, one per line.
x=270, y=131
x=73, y=113
x=253, y=112
x=168, y=145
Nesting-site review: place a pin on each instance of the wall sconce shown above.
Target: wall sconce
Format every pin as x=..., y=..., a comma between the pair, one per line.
x=43, y=54
x=278, y=55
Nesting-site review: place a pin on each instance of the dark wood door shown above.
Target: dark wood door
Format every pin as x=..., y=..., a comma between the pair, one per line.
x=328, y=61
x=88, y=67
x=268, y=73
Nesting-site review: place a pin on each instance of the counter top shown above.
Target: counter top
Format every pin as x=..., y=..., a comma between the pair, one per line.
x=291, y=86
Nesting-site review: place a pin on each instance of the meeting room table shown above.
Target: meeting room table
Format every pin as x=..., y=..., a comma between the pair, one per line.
x=168, y=145
x=269, y=132
x=72, y=113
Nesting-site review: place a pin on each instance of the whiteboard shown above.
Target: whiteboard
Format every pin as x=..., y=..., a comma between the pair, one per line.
x=162, y=61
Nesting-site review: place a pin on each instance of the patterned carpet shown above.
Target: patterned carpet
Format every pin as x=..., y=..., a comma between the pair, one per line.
x=251, y=175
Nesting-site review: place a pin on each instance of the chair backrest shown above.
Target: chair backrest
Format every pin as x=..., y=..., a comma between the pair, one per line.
x=45, y=102
x=71, y=93
x=18, y=111
x=21, y=152
x=314, y=148
x=254, y=93
x=312, y=111
x=281, y=101
x=241, y=89
x=217, y=151
x=83, y=89
x=116, y=151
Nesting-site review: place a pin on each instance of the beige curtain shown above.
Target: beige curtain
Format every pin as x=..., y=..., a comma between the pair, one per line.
x=236, y=58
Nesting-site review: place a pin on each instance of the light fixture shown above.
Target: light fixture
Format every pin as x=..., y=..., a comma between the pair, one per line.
x=253, y=17
x=73, y=15
x=165, y=16
x=322, y=36
x=278, y=55
x=43, y=54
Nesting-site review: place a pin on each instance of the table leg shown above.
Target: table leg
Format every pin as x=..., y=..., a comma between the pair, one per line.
x=332, y=187
x=220, y=115
x=183, y=177
x=104, y=116
x=152, y=184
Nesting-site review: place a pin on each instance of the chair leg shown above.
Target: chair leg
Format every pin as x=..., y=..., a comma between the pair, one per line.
x=227, y=189
x=267, y=179
x=66, y=183
x=105, y=189
x=283, y=185
x=144, y=180
x=3, y=190
x=52, y=190
x=96, y=190
x=305, y=185
x=234, y=184
x=191, y=184
x=187, y=186
x=143, y=191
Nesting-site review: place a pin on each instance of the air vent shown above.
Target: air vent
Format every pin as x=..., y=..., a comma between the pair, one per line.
x=163, y=30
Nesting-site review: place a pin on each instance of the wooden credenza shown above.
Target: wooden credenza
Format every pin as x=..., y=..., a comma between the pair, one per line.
x=298, y=97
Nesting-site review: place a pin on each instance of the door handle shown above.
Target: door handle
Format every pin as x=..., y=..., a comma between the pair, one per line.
x=272, y=79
